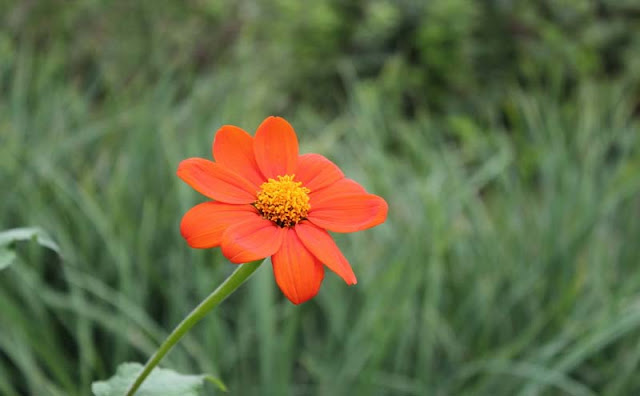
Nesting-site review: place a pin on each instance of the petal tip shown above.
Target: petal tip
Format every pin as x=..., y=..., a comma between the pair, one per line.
x=298, y=301
x=183, y=167
x=276, y=147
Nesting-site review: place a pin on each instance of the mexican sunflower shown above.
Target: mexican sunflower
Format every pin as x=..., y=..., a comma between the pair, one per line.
x=267, y=200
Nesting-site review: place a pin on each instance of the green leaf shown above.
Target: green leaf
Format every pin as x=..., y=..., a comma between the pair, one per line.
x=8, y=237
x=161, y=382
x=28, y=233
x=217, y=382
x=7, y=257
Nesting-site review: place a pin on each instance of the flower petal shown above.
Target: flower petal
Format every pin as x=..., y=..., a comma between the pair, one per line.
x=316, y=172
x=233, y=149
x=203, y=225
x=216, y=182
x=251, y=240
x=298, y=273
x=341, y=187
x=346, y=207
x=276, y=147
x=321, y=245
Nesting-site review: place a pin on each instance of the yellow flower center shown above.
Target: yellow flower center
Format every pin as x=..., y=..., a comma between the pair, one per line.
x=283, y=201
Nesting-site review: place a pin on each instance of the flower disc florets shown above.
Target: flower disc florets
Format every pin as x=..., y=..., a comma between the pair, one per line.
x=283, y=201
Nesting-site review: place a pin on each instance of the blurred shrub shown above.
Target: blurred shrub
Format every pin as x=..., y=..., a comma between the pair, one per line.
x=447, y=53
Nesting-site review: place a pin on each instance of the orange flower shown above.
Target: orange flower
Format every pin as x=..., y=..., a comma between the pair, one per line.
x=270, y=201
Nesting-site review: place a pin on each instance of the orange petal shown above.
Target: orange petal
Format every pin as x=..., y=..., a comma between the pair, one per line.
x=233, y=149
x=316, y=172
x=298, y=273
x=216, y=182
x=251, y=240
x=321, y=245
x=341, y=187
x=276, y=147
x=348, y=212
x=203, y=225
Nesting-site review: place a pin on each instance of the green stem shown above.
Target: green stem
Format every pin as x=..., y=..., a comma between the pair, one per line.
x=223, y=291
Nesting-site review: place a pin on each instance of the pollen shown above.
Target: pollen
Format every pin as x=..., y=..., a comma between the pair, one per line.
x=283, y=201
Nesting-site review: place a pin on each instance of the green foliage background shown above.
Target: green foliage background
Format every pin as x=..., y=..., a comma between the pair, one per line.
x=504, y=134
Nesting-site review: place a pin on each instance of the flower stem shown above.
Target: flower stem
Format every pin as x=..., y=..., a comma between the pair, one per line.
x=216, y=297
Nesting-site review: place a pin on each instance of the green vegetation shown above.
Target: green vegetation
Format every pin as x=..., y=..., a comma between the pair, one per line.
x=504, y=135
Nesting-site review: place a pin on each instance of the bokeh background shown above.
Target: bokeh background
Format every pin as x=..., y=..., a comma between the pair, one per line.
x=504, y=134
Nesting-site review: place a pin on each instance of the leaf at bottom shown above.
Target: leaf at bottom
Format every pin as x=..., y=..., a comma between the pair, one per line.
x=161, y=382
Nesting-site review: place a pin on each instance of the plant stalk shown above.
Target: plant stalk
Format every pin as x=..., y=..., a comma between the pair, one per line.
x=238, y=277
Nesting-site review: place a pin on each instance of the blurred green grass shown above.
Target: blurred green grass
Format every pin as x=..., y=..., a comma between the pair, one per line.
x=504, y=136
